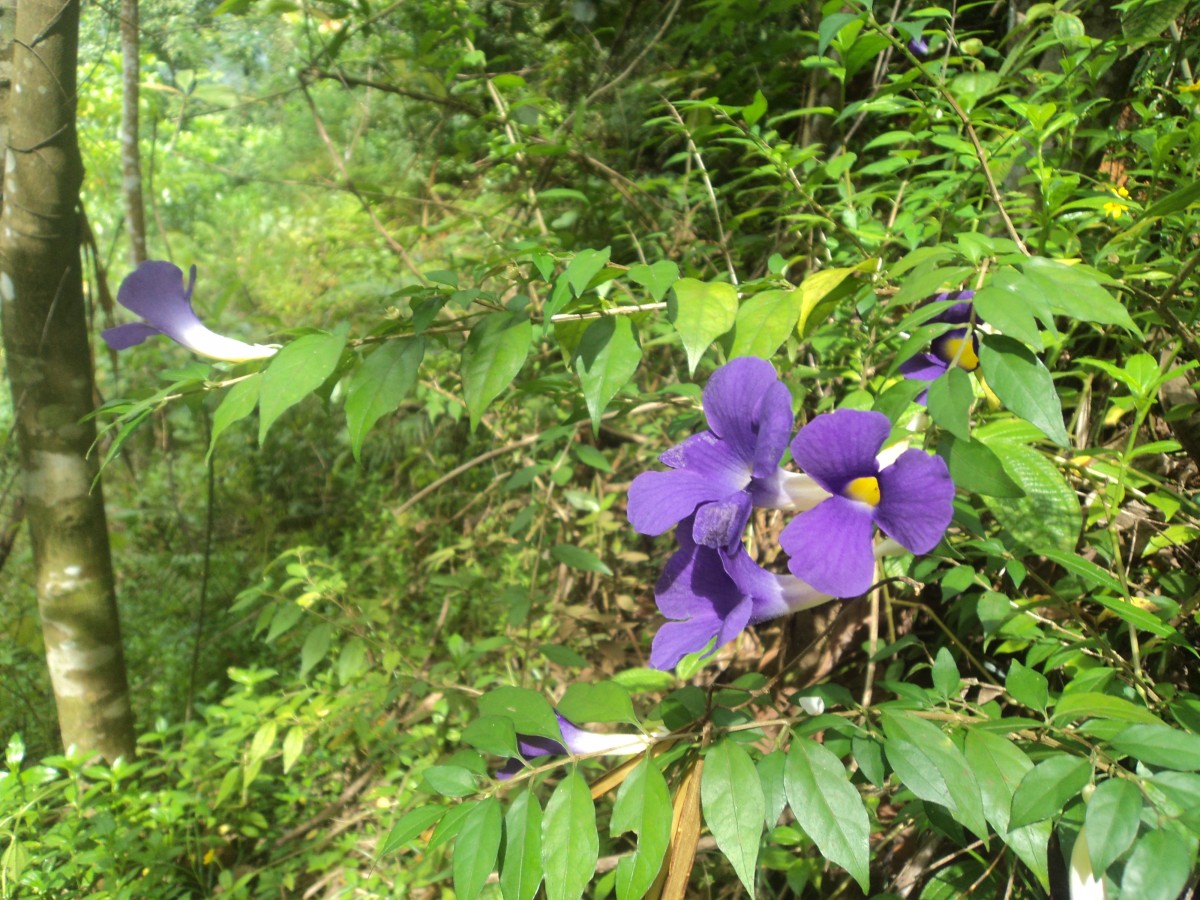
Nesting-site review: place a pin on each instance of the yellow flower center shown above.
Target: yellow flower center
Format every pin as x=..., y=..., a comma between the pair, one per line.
x=962, y=349
x=864, y=490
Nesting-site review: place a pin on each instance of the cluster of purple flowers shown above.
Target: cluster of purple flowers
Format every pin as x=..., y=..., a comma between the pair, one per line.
x=711, y=588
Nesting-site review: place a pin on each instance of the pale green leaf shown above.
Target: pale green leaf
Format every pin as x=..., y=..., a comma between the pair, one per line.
x=643, y=806
x=570, y=843
x=701, y=312
x=491, y=359
x=828, y=807
x=521, y=867
x=1023, y=384
x=295, y=372
x=734, y=808
x=606, y=359
x=476, y=848
x=238, y=403
x=380, y=385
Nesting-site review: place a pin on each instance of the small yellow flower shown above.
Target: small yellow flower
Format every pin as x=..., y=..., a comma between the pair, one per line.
x=210, y=857
x=1114, y=210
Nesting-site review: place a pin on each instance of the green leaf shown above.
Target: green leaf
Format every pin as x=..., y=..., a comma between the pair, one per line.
x=237, y=403
x=1160, y=745
x=657, y=279
x=1159, y=866
x=606, y=359
x=821, y=291
x=494, y=354
x=295, y=372
x=1184, y=196
x=476, y=848
x=764, y=322
x=1145, y=22
x=492, y=734
x=643, y=806
x=701, y=312
x=1077, y=705
x=1047, y=787
x=293, y=746
x=604, y=701
x=946, y=680
x=976, y=469
x=933, y=768
x=570, y=842
x=755, y=110
x=828, y=807
x=1023, y=384
x=1085, y=569
x=642, y=679
x=380, y=385
x=999, y=764
x=734, y=807
x=529, y=711
x=1009, y=303
x=1074, y=292
x=949, y=402
x=410, y=827
x=521, y=867
x=584, y=267
x=316, y=645
x=1027, y=686
x=451, y=781
x=578, y=558
x=1048, y=515
x=770, y=774
x=1112, y=821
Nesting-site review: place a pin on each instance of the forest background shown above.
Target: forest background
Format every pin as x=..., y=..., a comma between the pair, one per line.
x=503, y=246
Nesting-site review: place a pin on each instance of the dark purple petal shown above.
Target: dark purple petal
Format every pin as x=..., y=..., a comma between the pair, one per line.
x=532, y=746
x=695, y=583
x=748, y=407
x=155, y=290
x=675, y=640
x=916, y=500
x=918, y=46
x=837, y=447
x=830, y=547
x=923, y=367
x=774, y=421
x=722, y=523
x=123, y=337
x=658, y=501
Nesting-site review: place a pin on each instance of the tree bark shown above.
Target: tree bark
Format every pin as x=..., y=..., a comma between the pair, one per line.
x=50, y=371
x=131, y=163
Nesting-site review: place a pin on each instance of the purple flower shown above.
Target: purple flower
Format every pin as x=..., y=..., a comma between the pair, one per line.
x=918, y=46
x=831, y=545
x=719, y=475
x=155, y=292
x=716, y=593
x=578, y=743
x=949, y=349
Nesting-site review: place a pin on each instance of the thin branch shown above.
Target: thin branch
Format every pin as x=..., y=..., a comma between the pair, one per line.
x=387, y=88
x=722, y=238
x=395, y=246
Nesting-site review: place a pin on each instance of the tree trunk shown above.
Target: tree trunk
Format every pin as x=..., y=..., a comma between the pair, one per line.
x=131, y=164
x=50, y=369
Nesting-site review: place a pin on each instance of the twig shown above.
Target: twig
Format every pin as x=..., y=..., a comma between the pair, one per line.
x=394, y=245
x=385, y=87
x=722, y=239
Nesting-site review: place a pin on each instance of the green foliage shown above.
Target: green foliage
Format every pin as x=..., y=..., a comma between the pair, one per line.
x=484, y=228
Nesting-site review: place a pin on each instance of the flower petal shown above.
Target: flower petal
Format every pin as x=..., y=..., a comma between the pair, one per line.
x=916, y=500
x=155, y=291
x=747, y=406
x=705, y=469
x=830, y=547
x=837, y=447
x=675, y=640
x=723, y=522
x=694, y=582
x=122, y=337
x=923, y=367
